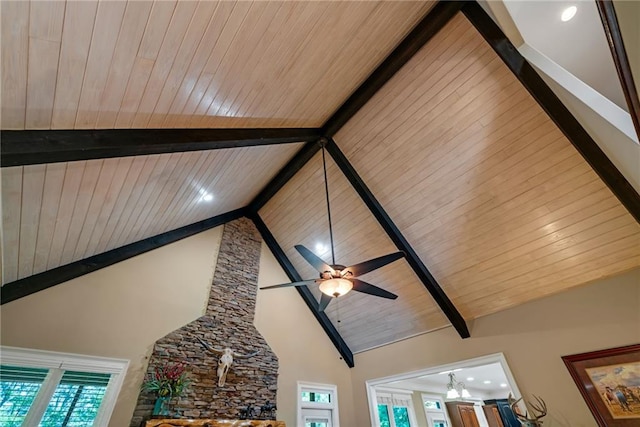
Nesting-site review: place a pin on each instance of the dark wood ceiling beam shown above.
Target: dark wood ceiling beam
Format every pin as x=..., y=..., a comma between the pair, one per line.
x=38, y=282
x=556, y=110
x=28, y=147
x=433, y=22
x=620, y=58
x=399, y=240
x=286, y=173
x=304, y=291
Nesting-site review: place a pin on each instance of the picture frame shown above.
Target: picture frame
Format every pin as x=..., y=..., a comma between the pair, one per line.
x=609, y=381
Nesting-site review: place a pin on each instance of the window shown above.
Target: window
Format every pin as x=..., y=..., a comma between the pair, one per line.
x=394, y=416
x=18, y=389
x=320, y=421
x=383, y=413
x=310, y=396
x=47, y=389
x=432, y=404
x=434, y=410
x=317, y=405
x=395, y=410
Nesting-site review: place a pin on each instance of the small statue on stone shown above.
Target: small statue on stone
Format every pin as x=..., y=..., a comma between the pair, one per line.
x=247, y=413
x=226, y=359
x=268, y=411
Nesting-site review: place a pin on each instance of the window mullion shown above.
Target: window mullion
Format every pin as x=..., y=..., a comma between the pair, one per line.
x=41, y=401
x=392, y=419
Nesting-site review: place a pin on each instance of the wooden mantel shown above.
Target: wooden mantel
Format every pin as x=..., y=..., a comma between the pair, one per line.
x=214, y=423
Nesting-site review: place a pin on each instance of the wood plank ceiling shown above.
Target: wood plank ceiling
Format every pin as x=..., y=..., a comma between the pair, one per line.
x=58, y=213
x=168, y=64
x=491, y=195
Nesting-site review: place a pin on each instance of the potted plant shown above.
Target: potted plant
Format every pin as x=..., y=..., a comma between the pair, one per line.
x=165, y=382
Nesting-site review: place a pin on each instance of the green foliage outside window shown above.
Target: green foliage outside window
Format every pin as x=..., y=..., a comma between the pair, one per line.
x=73, y=406
x=74, y=403
x=70, y=405
x=15, y=401
x=383, y=414
x=401, y=416
x=316, y=397
x=432, y=404
x=18, y=388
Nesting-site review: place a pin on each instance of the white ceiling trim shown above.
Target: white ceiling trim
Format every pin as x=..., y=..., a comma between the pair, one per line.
x=585, y=93
x=428, y=331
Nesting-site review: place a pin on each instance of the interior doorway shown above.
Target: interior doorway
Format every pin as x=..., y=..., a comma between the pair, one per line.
x=432, y=393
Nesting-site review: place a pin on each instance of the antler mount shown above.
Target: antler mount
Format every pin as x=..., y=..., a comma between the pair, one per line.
x=539, y=406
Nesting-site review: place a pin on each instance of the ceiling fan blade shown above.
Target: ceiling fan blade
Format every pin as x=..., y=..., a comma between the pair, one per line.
x=372, y=264
x=314, y=260
x=368, y=288
x=286, y=285
x=324, y=302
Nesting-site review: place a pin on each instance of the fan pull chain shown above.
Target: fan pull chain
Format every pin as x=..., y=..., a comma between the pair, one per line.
x=326, y=190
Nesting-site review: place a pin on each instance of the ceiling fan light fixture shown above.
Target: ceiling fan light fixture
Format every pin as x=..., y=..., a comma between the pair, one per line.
x=335, y=287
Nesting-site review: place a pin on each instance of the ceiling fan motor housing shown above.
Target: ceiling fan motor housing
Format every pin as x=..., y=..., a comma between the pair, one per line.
x=337, y=273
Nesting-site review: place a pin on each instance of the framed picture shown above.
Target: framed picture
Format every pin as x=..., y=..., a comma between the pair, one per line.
x=609, y=381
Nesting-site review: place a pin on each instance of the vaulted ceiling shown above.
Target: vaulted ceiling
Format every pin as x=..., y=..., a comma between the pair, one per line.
x=485, y=187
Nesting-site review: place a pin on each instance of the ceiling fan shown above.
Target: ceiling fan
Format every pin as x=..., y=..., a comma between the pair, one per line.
x=336, y=279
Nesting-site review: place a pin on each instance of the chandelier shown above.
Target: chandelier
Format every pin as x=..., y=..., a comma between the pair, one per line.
x=456, y=389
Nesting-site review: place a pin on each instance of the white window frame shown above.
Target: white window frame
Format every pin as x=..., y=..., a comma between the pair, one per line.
x=57, y=363
x=331, y=389
x=442, y=412
x=401, y=395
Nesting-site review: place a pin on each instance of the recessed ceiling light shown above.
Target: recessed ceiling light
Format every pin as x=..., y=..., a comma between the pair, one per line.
x=205, y=196
x=568, y=13
x=320, y=247
x=487, y=382
x=470, y=378
x=503, y=385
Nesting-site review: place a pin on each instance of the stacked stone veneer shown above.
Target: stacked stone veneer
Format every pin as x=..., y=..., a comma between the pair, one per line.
x=228, y=322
